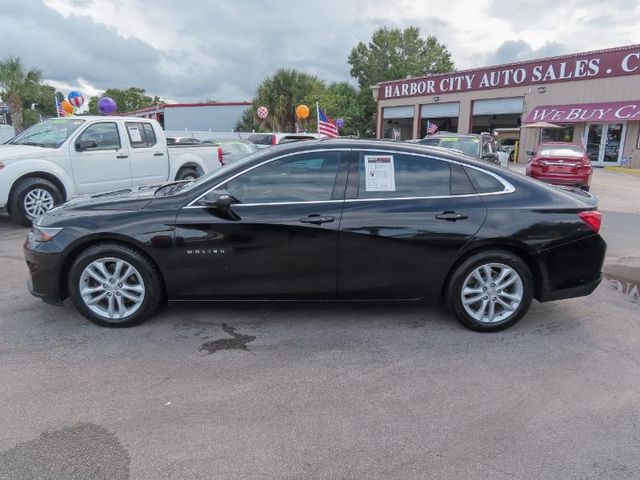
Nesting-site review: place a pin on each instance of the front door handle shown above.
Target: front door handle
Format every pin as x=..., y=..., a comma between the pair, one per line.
x=122, y=156
x=158, y=154
x=451, y=216
x=316, y=219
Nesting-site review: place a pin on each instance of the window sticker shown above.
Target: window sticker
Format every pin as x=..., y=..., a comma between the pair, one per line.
x=134, y=133
x=379, y=172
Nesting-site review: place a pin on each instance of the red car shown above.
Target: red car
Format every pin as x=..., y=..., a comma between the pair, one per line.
x=561, y=163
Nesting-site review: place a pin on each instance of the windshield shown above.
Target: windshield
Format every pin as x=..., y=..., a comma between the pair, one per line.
x=50, y=133
x=261, y=139
x=570, y=151
x=220, y=172
x=468, y=146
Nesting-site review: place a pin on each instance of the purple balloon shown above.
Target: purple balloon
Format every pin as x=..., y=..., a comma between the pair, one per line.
x=106, y=105
x=340, y=122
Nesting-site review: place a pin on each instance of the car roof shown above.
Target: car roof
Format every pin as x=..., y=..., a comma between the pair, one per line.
x=575, y=144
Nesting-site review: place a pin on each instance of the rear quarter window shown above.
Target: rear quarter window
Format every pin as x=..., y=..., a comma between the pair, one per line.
x=483, y=182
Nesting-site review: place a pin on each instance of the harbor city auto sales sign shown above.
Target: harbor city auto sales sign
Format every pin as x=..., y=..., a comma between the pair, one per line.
x=600, y=64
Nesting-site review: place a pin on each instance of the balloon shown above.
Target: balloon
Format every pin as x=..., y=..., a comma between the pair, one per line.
x=75, y=98
x=263, y=112
x=107, y=105
x=302, y=111
x=67, y=107
x=340, y=122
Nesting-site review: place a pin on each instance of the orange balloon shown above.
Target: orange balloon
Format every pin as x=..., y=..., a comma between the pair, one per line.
x=67, y=107
x=302, y=111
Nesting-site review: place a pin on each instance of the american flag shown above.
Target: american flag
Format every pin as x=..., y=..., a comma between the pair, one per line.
x=61, y=111
x=326, y=126
x=431, y=128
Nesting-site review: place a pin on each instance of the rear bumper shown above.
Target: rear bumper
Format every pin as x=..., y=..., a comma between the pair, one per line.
x=562, y=179
x=572, y=270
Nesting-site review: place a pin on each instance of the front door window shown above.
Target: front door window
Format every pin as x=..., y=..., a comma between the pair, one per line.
x=604, y=142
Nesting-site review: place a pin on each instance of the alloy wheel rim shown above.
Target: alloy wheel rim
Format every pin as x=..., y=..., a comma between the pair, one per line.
x=112, y=288
x=492, y=293
x=37, y=202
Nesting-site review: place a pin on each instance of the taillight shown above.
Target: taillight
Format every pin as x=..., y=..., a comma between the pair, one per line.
x=273, y=139
x=593, y=218
x=220, y=156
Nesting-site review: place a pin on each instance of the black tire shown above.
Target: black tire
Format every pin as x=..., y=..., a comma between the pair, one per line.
x=460, y=274
x=511, y=157
x=149, y=273
x=187, y=173
x=586, y=188
x=17, y=209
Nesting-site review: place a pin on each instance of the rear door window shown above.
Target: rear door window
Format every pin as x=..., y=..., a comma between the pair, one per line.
x=385, y=175
x=141, y=134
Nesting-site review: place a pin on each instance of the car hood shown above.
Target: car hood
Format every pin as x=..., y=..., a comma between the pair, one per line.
x=16, y=152
x=126, y=200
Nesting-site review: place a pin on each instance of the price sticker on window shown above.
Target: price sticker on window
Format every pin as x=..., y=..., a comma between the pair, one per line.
x=379, y=173
x=134, y=133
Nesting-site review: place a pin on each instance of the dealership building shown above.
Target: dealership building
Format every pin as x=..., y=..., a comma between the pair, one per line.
x=593, y=96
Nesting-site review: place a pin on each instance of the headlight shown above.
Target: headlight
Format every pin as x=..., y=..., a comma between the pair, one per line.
x=44, y=234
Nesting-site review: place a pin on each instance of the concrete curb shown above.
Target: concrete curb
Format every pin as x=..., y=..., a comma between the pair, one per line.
x=625, y=274
x=634, y=171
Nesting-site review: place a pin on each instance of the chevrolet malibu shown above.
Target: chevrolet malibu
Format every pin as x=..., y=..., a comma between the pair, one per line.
x=324, y=220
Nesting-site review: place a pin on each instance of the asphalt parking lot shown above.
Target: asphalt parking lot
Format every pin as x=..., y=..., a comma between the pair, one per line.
x=293, y=391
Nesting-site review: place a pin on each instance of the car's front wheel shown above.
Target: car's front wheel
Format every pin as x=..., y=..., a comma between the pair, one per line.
x=490, y=291
x=114, y=285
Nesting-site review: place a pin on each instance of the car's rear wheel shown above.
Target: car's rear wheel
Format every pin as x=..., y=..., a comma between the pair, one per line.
x=32, y=197
x=113, y=285
x=187, y=173
x=490, y=291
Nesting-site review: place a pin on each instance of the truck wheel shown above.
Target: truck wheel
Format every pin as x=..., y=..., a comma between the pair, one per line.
x=31, y=197
x=187, y=173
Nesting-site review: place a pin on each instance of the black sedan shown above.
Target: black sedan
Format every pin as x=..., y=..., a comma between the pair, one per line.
x=324, y=220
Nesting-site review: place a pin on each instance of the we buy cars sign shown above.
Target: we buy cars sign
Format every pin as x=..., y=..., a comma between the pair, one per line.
x=601, y=64
x=586, y=112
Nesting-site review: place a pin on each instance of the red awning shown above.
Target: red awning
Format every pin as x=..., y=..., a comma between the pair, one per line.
x=586, y=112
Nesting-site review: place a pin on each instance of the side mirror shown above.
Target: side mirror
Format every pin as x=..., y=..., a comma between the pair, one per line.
x=491, y=157
x=82, y=145
x=531, y=153
x=220, y=200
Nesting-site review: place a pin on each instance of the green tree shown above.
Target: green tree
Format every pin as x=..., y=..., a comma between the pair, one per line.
x=392, y=54
x=281, y=93
x=340, y=100
x=127, y=100
x=40, y=104
x=17, y=84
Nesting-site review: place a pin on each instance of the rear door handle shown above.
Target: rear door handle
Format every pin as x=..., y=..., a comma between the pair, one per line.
x=158, y=154
x=316, y=219
x=451, y=216
x=122, y=156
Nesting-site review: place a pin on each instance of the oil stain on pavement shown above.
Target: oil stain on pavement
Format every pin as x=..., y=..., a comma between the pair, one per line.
x=83, y=451
x=237, y=341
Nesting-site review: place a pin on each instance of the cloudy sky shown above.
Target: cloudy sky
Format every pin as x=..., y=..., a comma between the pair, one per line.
x=222, y=49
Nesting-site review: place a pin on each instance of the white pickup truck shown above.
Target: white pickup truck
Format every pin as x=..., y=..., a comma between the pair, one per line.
x=61, y=158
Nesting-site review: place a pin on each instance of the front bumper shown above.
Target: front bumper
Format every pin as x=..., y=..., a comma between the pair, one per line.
x=44, y=268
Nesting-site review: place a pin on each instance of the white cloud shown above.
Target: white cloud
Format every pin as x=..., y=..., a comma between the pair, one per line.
x=222, y=49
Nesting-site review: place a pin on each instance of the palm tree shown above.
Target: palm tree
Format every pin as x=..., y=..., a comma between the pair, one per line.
x=17, y=83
